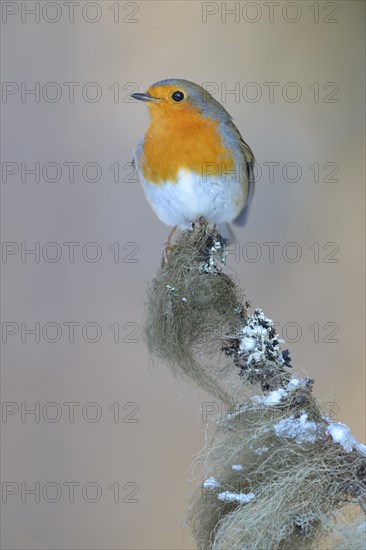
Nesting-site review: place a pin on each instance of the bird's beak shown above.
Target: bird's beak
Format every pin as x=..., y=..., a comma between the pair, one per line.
x=143, y=97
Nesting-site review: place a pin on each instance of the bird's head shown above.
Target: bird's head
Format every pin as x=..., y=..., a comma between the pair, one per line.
x=181, y=98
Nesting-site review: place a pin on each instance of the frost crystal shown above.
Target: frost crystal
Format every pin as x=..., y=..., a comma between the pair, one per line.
x=294, y=383
x=247, y=344
x=340, y=433
x=216, y=251
x=211, y=483
x=275, y=396
x=300, y=429
x=227, y=496
x=260, y=450
x=259, y=340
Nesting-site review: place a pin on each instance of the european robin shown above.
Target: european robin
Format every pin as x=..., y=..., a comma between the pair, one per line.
x=193, y=162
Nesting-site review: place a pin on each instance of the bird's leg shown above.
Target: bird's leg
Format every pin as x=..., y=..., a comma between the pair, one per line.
x=202, y=222
x=168, y=246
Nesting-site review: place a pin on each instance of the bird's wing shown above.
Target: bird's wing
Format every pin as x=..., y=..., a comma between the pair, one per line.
x=241, y=219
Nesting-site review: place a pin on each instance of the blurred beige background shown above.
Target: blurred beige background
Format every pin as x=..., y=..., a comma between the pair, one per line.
x=312, y=52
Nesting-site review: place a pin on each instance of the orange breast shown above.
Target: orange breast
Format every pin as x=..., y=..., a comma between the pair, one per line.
x=182, y=138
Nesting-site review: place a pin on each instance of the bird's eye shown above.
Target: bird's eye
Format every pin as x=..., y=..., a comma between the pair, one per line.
x=178, y=96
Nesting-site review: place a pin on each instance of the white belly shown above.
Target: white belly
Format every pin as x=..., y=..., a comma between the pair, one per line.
x=218, y=199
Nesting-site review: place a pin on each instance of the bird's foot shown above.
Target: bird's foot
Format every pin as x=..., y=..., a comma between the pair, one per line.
x=167, y=250
x=168, y=247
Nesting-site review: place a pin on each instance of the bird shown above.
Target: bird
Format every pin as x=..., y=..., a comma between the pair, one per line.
x=193, y=163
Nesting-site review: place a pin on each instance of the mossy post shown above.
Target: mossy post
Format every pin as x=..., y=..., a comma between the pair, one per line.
x=276, y=473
